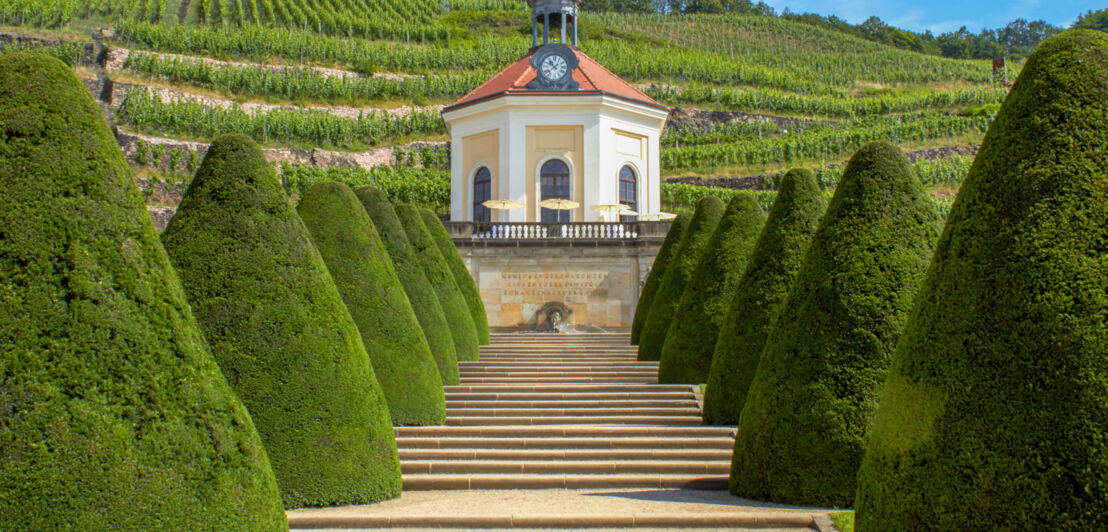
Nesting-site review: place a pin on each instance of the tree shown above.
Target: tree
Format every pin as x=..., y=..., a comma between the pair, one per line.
x=1093, y=20
x=657, y=271
x=114, y=414
x=461, y=274
x=801, y=430
x=703, y=223
x=691, y=339
x=995, y=409
x=424, y=299
x=367, y=282
x=280, y=331
x=792, y=221
x=438, y=274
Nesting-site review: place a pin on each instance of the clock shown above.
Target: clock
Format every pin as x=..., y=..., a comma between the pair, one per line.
x=554, y=65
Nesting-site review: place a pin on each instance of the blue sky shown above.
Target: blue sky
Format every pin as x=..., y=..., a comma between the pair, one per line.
x=945, y=15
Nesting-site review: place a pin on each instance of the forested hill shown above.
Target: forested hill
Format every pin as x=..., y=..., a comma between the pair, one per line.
x=350, y=89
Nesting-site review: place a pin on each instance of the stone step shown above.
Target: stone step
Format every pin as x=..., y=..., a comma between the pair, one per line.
x=725, y=444
x=555, y=364
x=570, y=388
x=615, y=432
x=558, y=481
x=646, y=402
x=565, y=454
x=533, y=412
x=567, y=355
x=650, y=522
x=582, y=467
x=547, y=372
x=476, y=421
x=524, y=360
x=557, y=380
x=570, y=396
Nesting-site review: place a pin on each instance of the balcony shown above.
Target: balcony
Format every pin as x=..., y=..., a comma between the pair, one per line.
x=557, y=234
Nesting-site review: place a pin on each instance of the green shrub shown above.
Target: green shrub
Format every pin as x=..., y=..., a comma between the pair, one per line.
x=367, y=281
x=691, y=340
x=280, y=332
x=438, y=274
x=424, y=299
x=802, y=427
x=995, y=410
x=657, y=271
x=696, y=235
x=758, y=297
x=461, y=274
x=113, y=413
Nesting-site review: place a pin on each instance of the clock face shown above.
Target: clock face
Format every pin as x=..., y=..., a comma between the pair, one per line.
x=554, y=67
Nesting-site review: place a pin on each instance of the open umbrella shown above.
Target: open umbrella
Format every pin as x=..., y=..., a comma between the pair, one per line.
x=559, y=204
x=610, y=209
x=502, y=204
x=656, y=216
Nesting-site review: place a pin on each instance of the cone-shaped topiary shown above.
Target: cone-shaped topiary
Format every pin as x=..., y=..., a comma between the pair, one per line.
x=438, y=273
x=781, y=246
x=424, y=299
x=113, y=413
x=691, y=340
x=367, y=281
x=680, y=268
x=280, y=332
x=657, y=272
x=802, y=427
x=461, y=274
x=995, y=410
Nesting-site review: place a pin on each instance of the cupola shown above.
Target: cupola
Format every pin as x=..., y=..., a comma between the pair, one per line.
x=553, y=15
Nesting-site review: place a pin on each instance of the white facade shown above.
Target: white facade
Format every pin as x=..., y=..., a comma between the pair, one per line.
x=617, y=132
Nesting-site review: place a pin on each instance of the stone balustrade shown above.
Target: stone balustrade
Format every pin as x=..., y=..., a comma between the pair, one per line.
x=576, y=231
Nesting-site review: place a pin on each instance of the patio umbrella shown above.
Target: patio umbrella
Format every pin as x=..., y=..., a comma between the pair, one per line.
x=502, y=204
x=559, y=204
x=610, y=209
x=656, y=216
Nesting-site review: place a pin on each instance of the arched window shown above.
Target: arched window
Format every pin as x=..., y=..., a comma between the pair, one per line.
x=628, y=191
x=482, y=192
x=554, y=180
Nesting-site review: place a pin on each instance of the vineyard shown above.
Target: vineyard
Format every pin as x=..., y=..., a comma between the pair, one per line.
x=148, y=113
x=797, y=94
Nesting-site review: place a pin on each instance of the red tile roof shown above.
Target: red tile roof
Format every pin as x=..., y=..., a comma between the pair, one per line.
x=593, y=78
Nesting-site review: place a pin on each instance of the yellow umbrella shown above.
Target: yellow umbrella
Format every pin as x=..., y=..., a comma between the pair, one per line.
x=502, y=204
x=655, y=216
x=610, y=209
x=559, y=204
x=628, y=212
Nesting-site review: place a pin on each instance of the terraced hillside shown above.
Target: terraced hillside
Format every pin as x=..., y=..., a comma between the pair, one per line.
x=350, y=90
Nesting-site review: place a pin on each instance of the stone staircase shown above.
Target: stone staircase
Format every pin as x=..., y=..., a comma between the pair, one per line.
x=565, y=432
x=568, y=412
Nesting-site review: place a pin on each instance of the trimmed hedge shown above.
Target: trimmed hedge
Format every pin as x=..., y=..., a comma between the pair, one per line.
x=367, y=281
x=442, y=280
x=776, y=258
x=680, y=268
x=691, y=340
x=657, y=271
x=280, y=331
x=424, y=299
x=461, y=274
x=995, y=410
x=802, y=427
x=113, y=413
